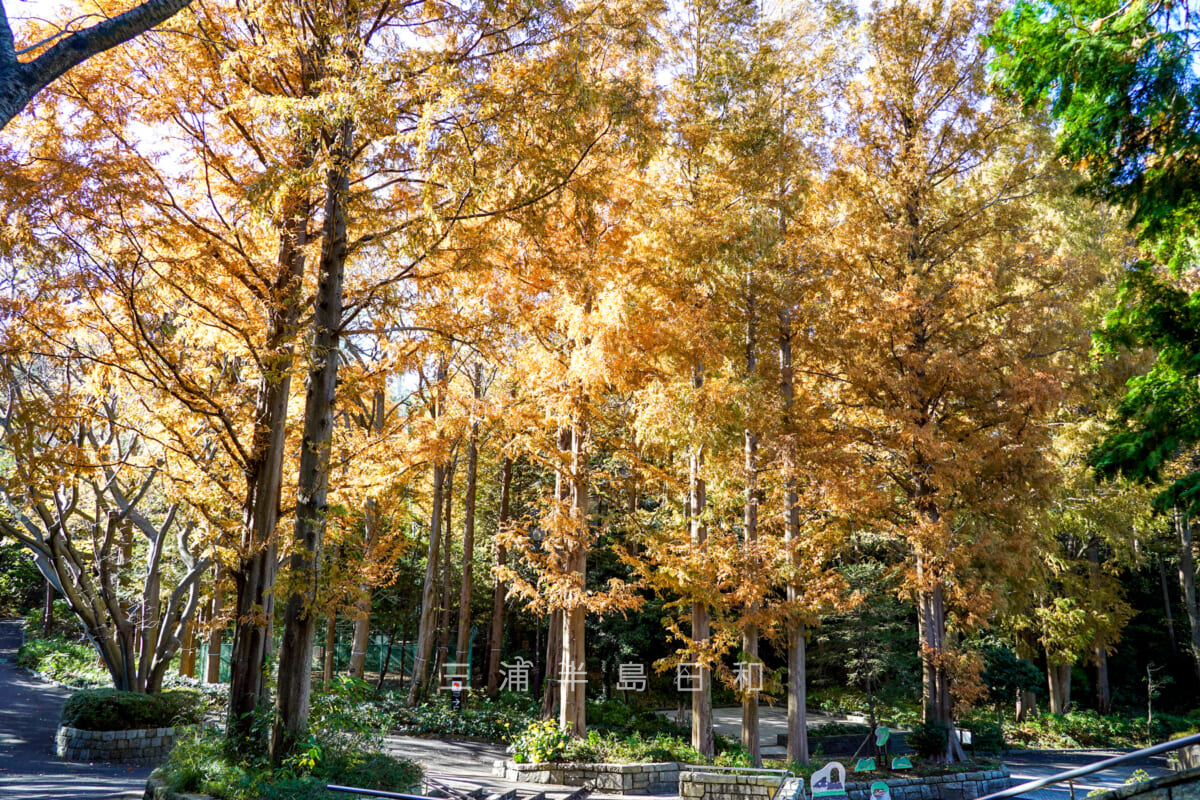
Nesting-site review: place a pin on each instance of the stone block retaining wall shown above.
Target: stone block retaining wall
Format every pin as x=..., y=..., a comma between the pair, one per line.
x=714, y=786
x=146, y=745
x=674, y=778
x=961, y=786
x=650, y=778
x=1179, y=786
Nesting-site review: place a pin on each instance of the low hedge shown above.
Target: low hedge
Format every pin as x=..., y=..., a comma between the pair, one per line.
x=112, y=710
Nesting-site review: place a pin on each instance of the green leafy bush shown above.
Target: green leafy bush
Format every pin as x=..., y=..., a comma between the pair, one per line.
x=614, y=716
x=540, y=742
x=20, y=582
x=630, y=748
x=207, y=763
x=839, y=729
x=498, y=720
x=928, y=739
x=986, y=737
x=65, y=660
x=111, y=710
x=1089, y=729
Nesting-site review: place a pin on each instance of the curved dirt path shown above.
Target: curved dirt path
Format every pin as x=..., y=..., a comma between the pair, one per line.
x=29, y=770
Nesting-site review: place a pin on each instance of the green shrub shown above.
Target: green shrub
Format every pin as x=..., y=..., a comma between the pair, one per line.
x=928, y=739
x=540, y=742
x=20, y=582
x=111, y=710
x=614, y=716
x=207, y=763
x=986, y=737
x=632, y=748
x=498, y=720
x=65, y=660
x=839, y=729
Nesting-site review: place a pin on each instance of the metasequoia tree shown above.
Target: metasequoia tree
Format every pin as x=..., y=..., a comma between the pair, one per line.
x=63, y=47
x=944, y=289
x=83, y=494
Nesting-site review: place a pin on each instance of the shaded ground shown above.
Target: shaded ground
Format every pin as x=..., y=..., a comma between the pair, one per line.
x=29, y=770
x=1029, y=765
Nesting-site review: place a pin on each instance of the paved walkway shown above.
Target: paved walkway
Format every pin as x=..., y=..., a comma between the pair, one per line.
x=1030, y=765
x=29, y=770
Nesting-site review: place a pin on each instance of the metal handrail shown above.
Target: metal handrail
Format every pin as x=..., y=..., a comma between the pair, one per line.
x=378, y=793
x=1097, y=766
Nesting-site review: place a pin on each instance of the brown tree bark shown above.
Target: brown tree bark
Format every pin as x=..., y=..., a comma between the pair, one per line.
x=1166, y=594
x=1187, y=583
x=702, y=728
x=797, y=695
x=1058, y=678
x=300, y=614
x=443, y=637
x=554, y=656
x=750, y=738
x=426, y=628
x=327, y=666
x=254, y=573
x=464, y=592
x=21, y=81
x=362, y=605
x=572, y=716
x=216, y=631
x=187, y=652
x=496, y=637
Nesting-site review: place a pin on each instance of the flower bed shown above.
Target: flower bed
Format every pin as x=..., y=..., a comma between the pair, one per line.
x=140, y=745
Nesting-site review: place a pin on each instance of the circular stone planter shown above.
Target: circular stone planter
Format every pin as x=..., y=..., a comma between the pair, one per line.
x=141, y=745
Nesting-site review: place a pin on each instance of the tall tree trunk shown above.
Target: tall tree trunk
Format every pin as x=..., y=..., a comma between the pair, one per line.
x=702, y=729
x=47, y=608
x=362, y=605
x=496, y=637
x=216, y=631
x=1166, y=593
x=938, y=704
x=300, y=614
x=554, y=654
x=572, y=716
x=187, y=653
x=327, y=667
x=750, y=524
x=427, y=627
x=464, y=592
x=254, y=574
x=1100, y=651
x=443, y=639
x=1103, y=692
x=1187, y=583
x=1058, y=677
x=797, y=695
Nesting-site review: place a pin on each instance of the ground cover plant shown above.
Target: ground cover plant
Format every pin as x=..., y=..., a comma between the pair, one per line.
x=113, y=710
x=64, y=655
x=343, y=745
x=1077, y=729
x=494, y=720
